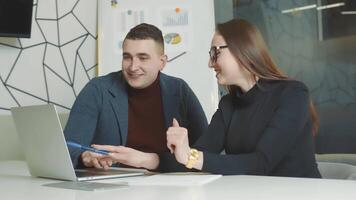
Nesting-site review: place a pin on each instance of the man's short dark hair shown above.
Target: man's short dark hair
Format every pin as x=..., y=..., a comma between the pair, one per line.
x=146, y=31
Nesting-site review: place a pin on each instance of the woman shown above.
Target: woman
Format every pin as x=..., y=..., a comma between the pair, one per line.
x=266, y=122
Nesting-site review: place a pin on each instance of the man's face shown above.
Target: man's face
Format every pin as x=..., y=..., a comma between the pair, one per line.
x=141, y=62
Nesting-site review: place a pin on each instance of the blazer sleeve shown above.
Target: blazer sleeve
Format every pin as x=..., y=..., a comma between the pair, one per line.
x=210, y=141
x=276, y=142
x=196, y=118
x=214, y=139
x=82, y=120
x=196, y=125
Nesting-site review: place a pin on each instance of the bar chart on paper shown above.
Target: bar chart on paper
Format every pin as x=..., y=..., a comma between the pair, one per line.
x=175, y=17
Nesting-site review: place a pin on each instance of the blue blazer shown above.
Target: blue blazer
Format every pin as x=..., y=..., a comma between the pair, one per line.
x=100, y=113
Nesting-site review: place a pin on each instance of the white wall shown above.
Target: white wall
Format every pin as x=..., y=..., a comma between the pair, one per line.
x=56, y=62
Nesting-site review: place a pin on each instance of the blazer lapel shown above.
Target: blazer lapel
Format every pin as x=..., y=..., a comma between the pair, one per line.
x=119, y=102
x=170, y=100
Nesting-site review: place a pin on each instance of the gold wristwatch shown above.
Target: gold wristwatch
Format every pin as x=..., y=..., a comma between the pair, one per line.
x=192, y=159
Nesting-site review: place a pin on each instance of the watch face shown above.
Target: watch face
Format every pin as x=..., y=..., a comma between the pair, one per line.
x=193, y=157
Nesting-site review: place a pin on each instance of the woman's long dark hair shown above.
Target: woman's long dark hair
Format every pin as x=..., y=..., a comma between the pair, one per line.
x=246, y=44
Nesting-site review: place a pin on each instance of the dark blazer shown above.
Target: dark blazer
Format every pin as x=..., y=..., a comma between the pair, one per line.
x=266, y=131
x=100, y=112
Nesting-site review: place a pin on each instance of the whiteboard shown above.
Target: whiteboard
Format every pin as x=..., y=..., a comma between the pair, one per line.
x=187, y=26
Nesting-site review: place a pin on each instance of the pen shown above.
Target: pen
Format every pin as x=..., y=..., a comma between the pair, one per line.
x=73, y=144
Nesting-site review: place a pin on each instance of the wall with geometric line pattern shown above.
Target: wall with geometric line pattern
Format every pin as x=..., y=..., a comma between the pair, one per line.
x=56, y=62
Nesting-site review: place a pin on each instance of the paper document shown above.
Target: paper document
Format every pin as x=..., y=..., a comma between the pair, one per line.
x=175, y=179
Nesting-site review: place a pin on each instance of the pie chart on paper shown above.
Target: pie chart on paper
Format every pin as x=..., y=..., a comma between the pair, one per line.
x=172, y=38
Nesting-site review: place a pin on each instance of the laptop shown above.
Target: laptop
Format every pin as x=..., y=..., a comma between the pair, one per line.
x=42, y=139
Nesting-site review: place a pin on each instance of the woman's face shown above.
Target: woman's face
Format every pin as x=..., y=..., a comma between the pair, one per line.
x=227, y=69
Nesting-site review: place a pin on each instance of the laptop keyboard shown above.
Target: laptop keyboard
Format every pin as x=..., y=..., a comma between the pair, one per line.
x=100, y=172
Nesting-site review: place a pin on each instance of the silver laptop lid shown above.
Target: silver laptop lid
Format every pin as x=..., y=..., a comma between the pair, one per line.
x=43, y=142
x=45, y=149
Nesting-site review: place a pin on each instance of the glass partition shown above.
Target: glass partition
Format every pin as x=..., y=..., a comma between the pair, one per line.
x=313, y=41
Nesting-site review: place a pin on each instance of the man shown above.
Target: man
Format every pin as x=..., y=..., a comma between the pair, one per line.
x=131, y=109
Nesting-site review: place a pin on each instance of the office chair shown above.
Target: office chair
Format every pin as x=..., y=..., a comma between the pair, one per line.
x=332, y=170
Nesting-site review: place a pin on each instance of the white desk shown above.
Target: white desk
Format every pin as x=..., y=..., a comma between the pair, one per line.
x=16, y=184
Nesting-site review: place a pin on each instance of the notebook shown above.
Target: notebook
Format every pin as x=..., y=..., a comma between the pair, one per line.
x=42, y=139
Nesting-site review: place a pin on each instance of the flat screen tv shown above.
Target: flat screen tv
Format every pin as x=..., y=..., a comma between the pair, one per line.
x=16, y=18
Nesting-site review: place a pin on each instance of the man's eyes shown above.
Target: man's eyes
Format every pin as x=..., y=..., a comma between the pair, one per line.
x=143, y=58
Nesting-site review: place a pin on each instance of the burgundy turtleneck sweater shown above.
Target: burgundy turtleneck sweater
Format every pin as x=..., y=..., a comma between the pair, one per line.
x=146, y=129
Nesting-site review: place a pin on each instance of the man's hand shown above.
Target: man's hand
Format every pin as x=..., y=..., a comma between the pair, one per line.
x=131, y=157
x=91, y=159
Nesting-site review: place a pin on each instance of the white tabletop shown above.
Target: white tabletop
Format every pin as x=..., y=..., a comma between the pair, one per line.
x=16, y=184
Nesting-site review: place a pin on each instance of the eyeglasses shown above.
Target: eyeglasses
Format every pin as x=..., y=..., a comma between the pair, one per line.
x=214, y=52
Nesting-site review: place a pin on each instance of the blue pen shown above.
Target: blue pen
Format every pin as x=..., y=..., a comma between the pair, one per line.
x=73, y=144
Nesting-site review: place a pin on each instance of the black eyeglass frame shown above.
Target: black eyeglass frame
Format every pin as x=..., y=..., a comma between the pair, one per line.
x=214, y=52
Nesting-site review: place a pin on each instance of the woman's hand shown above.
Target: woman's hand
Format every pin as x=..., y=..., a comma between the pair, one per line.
x=178, y=142
x=131, y=157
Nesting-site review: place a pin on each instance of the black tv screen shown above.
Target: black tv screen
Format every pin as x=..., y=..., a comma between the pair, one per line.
x=16, y=18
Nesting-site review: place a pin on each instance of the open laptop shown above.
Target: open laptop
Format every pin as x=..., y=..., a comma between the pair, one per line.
x=45, y=149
